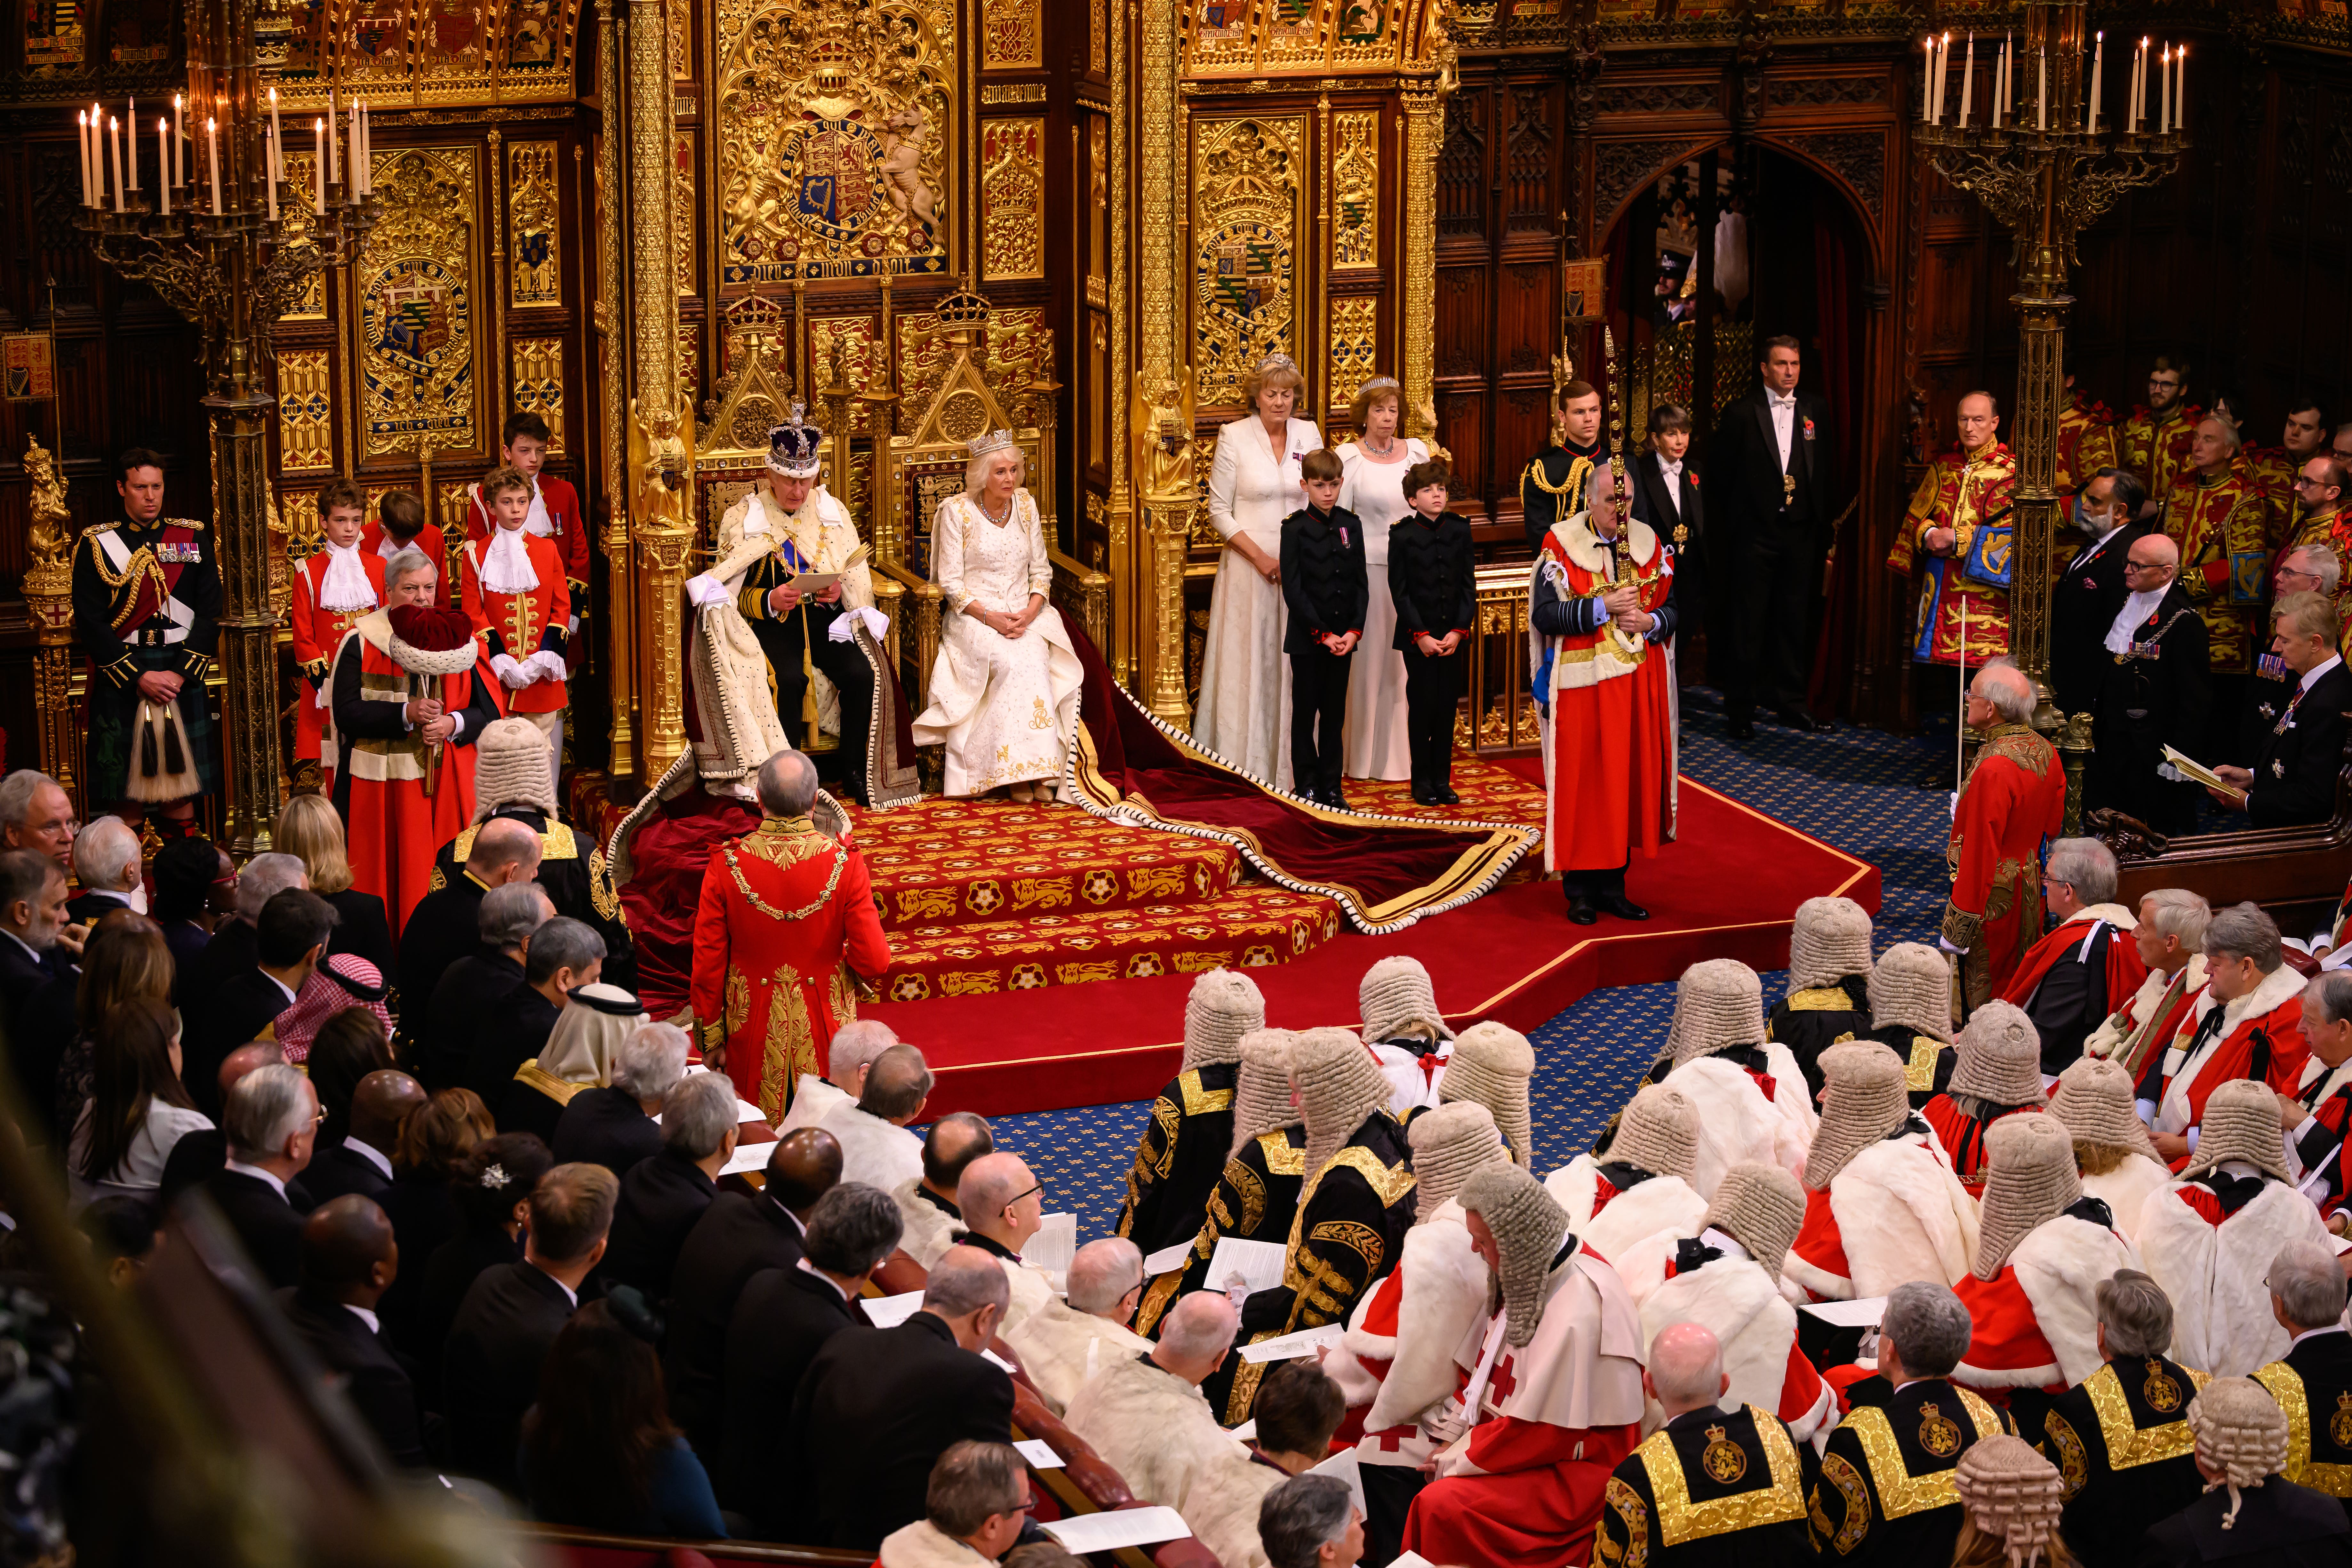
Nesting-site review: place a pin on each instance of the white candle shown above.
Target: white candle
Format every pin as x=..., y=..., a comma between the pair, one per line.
x=334, y=157
x=367, y=151
x=179, y=144
x=164, y=164
x=319, y=160
x=2041, y=107
x=1968, y=80
x=2164, y=93
x=2001, y=114
x=271, y=165
x=2098, y=64
x=1943, y=71
x=2181, y=89
x=211, y=152
x=276, y=139
x=131, y=118
x=115, y=143
x=1928, y=81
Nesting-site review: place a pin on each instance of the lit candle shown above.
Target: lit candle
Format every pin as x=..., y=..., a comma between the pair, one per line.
x=1943, y=71
x=351, y=138
x=2181, y=89
x=164, y=164
x=2042, y=108
x=1928, y=81
x=2164, y=93
x=2003, y=108
x=272, y=165
x=276, y=139
x=1968, y=80
x=319, y=161
x=367, y=151
x=179, y=140
x=2098, y=64
x=115, y=143
x=81, y=140
x=211, y=152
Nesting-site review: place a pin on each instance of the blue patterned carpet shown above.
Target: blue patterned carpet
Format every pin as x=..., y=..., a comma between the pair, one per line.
x=1852, y=788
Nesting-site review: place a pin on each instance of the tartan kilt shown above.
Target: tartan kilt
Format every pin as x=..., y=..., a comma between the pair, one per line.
x=112, y=725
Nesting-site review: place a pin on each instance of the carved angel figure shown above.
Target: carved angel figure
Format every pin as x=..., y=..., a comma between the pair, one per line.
x=1162, y=433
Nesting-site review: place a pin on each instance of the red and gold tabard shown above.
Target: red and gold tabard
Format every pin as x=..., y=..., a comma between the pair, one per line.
x=317, y=632
x=2014, y=798
x=1965, y=492
x=2275, y=469
x=786, y=918
x=2086, y=443
x=2155, y=448
x=1605, y=708
x=520, y=625
x=2224, y=559
x=555, y=516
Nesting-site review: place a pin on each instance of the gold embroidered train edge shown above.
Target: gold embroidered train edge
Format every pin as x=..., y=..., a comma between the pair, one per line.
x=1199, y=1101
x=1681, y=1520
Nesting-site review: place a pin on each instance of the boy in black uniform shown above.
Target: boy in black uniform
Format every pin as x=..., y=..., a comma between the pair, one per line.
x=1325, y=590
x=1433, y=578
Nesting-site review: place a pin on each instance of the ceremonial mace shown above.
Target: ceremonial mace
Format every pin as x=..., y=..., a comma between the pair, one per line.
x=1621, y=552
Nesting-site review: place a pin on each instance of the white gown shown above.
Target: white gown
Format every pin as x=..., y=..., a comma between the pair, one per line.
x=1245, y=681
x=1003, y=708
x=1377, y=746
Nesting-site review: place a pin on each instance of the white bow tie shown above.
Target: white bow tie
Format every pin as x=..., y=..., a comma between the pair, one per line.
x=1672, y=470
x=1780, y=402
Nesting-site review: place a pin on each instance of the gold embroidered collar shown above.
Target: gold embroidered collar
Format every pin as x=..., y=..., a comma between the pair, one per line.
x=1680, y=1519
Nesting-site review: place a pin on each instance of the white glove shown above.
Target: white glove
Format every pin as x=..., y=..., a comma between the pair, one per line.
x=1945, y=944
x=548, y=662
x=572, y=628
x=703, y=591
x=845, y=626
x=515, y=676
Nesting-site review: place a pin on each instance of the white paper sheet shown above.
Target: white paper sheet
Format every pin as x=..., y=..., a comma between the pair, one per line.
x=1087, y=1533
x=748, y=1157
x=1245, y=1433
x=1410, y=1559
x=747, y=1111
x=1055, y=1245
x=998, y=1360
x=1862, y=1314
x=889, y=1312
x=1259, y=1263
x=1287, y=1347
x=1345, y=1466
x=1173, y=1257
x=1039, y=1454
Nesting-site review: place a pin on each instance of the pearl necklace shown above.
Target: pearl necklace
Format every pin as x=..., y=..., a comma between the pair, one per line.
x=1381, y=452
x=992, y=517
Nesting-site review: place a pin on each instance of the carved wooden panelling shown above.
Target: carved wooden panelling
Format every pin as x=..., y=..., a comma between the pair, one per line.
x=538, y=385
x=1522, y=424
x=1011, y=198
x=1621, y=168
x=1461, y=427
x=684, y=229
x=1245, y=179
x=1462, y=295
x=417, y=323
x=1356, y=190
x=837, y=128
x=1948, y=275
x=1528, y=159
x=1237, y=38
x=306, y=411
x=1860, y=159
x=537, y=276
x=302, y=173
x=861, y=360
x=1355, y=346
x=1019, y=350
x=1462, y=168
x=436, y=52
x=1527, y=306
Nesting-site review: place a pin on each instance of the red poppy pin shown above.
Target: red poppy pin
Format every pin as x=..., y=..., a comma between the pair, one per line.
x=1693, y=479
x=1809, y=429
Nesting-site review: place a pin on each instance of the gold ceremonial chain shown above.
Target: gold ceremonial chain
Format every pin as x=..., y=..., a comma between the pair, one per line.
x=840, y=858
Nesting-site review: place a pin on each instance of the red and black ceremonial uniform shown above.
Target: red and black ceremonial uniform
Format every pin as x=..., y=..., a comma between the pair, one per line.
x=317, y=633
x=555, y=516
x=1181, y=1154
x=2073, y=977
x=146, y=599
x=1963, y=1135
x=520, y=625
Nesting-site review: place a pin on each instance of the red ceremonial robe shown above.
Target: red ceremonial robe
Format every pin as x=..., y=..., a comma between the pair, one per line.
x=2202, y=1057
x=1963, y=1136
x=1605, y=708
x=392, y=825
x=786, y=918
x=2125, y=970
x=318, y=633
x=2014, y=798
x=1711, y=1279
x=2034, y=1324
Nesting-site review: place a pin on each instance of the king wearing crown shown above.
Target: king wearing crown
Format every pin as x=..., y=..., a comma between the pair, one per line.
x=791, y=568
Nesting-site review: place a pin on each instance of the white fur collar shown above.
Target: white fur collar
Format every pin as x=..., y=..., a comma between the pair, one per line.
x=2279, y=986
x=1587, y=549
x=923, y=1544
x=2115, y=915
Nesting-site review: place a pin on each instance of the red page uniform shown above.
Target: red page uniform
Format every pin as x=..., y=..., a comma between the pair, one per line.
x=2086, y=443
x=517, y=598
x=2155, y=446
x=333, y=590
x=555, y=516
x=2224, y=560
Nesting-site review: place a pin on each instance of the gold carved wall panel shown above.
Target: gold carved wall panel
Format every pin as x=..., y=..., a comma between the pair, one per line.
x=1253, y=37
x=419, y=329
x=838, y=131
x=689, y=365
x=1010, y=35
x=306, y=412
x=1355, y=346
x=1011, y=198
x=302, y=175
x=1019, y=351
x=536, y=273
x=430, y=52
x=538, y=385
x=1245, y=194
x=861, y=362
x=683, y=228
x=1356, y=190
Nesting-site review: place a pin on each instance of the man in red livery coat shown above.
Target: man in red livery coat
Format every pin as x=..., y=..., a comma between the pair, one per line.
x=786, y=921
x=2086, y=440
x=2215, y=514
x=2070, y=980
x=1958, y=524
x=1557, y=1393
x=555, y=515
x=515, y=595
x=2248, y=1023
x=1601, y=612
x=411, y=693
x=2154, y=442
x=2015, y=797
x=334, y=588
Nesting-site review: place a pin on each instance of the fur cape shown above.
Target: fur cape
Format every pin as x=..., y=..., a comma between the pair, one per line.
x=2036, y=1323
x=1059, y=1346
x=2126, y=1189
x=873, y=1150
x=1665, y=1204
x=1897, y=1214
x=1753, y=1322
x=1157, y=1431
x=1737, y=1125
x=923, y=1544
x=1440, y=1302
x=812, y=1097
x=2221, y=1319
x=929, y=1232
x=2138, y=1013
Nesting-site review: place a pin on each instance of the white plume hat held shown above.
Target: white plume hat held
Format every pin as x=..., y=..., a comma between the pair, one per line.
x=1762, y=1207
x=1493, y=1064
x=1719, y=1004
x=2000, y=1057
x=2241, y=1123
x=1395, y=998
x=1911, y=988
x=1224, y=1005
x=1828, y=940
x=1863, y=1100
x=1450, y=1145
x=1340, y=1085
x=1527, y=1224
x=2030, y=1179
x=1659, y=1133
x=1262, y=1099
x=510, y=768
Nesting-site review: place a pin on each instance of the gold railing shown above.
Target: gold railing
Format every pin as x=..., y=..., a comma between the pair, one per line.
x=1497, y=719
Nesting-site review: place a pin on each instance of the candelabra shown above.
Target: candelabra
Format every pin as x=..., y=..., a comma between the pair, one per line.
x=2046, y=172
x=228, y=242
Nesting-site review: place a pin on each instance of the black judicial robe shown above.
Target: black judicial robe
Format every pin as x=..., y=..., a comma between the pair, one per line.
x=1180, y=1158
x=1712, y=1488
x=1811, y=1021
x=2120, y=1440
x=1928, y=1062
x=579, y=885
x=1886, y=1494
x=2278, y=1525
x=2313, y=1384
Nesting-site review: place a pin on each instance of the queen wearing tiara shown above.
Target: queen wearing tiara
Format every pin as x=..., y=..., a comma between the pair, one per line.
x=1004, y=688
x=1254, y=484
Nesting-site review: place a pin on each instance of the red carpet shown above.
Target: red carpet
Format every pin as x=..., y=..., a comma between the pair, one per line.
x=1727, y=889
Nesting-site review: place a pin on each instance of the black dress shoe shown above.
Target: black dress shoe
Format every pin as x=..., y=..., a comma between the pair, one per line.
x=1334, y=800
x=1582, y=912
x=1624, y=907
x=1798, y=720
x=1742, y=728
x=1421, y=796
x=1445, y=795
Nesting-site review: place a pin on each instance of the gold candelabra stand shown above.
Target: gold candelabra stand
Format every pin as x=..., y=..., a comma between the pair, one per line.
x=2039, y=153
x=227, y=240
